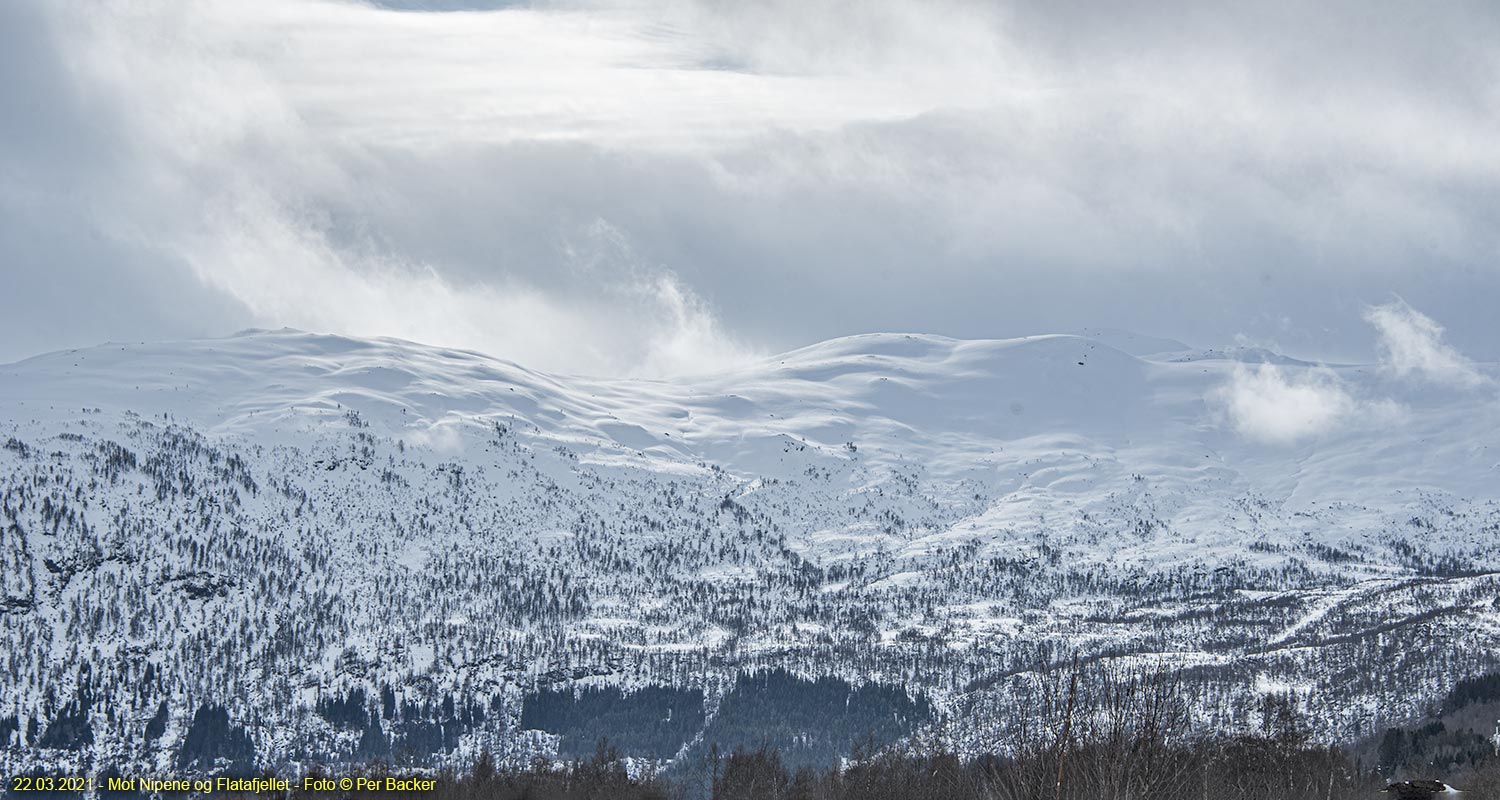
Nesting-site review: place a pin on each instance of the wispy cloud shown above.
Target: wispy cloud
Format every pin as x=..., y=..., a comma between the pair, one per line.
x=1412, y=346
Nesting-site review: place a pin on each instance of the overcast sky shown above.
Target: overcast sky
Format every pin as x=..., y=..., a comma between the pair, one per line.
x=652, y=188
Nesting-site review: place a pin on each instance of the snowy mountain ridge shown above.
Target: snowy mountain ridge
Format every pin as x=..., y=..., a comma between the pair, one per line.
x=382, y=519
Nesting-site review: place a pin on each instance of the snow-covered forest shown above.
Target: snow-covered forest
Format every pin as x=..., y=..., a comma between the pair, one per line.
x=283, y=548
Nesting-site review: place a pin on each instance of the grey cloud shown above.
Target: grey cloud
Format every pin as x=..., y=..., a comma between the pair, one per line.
x=70, y=277
x=998, y=170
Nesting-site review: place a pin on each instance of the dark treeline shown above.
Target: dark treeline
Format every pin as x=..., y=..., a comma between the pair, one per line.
x=1092, y=733
x=1244, y=767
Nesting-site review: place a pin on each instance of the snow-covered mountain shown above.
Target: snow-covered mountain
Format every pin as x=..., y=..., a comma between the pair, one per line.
x=281, y=546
